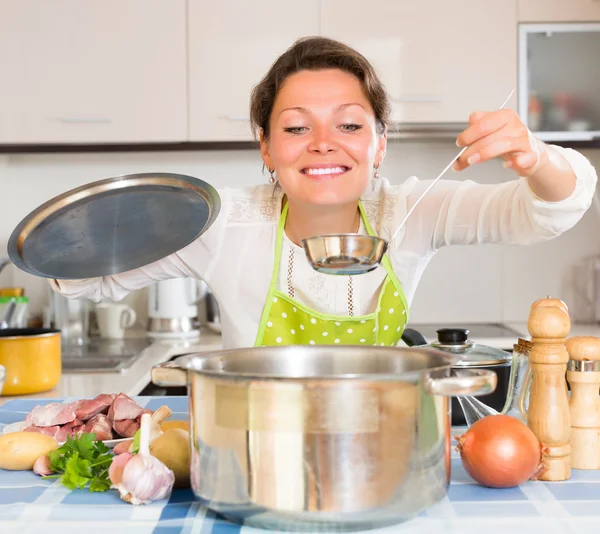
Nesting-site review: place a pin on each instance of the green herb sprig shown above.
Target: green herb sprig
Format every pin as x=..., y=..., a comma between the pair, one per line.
x=81, y=461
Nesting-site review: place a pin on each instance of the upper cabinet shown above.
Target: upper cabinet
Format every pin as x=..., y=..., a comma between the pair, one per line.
x=93, y=72
x=440, y=61
x=174, y=71
x=232, y=45
x=559, y=10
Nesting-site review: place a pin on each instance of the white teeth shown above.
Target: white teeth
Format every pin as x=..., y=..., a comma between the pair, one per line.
x=332, y=170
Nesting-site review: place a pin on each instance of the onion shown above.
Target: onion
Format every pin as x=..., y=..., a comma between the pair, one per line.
x=499, y=451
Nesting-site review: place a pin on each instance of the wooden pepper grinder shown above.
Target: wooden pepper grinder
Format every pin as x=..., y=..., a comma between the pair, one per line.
x=548, y=415
x=583, y=375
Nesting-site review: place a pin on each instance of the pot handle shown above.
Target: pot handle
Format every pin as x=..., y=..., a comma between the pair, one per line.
x=170, y=374
x=470, y=382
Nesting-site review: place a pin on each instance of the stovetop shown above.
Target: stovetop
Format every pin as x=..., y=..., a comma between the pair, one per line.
x=102, y=355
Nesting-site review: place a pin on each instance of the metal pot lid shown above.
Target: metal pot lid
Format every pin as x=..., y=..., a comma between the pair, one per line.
x=456, y=341
x=114, y=225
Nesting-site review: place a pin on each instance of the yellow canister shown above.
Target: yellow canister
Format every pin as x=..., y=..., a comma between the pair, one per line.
x=32, y=358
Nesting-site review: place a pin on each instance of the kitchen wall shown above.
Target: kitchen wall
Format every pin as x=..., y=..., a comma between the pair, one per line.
x=462, y=284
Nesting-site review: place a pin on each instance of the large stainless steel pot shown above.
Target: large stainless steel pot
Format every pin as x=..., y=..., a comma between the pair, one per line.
x=321, y=437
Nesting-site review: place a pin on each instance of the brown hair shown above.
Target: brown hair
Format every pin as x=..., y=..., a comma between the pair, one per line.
x=316, y=53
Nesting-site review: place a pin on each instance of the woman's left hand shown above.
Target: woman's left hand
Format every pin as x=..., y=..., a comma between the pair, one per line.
x=500, y=134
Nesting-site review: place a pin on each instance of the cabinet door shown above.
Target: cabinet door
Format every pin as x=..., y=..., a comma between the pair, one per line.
x=92, y=72
x=439, y=60
x=559, y=11
x=232, y=44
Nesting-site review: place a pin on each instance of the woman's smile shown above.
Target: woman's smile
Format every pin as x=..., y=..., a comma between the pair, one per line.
x=324, y=171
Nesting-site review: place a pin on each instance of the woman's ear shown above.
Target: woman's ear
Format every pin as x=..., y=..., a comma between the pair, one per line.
x=381, y=148
x=264, y=151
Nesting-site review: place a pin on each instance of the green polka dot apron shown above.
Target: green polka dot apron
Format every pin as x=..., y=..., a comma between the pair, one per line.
x=286, y=321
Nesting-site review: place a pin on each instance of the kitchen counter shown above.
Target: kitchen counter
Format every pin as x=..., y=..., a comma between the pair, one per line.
x=130, y=381
x=31, y=505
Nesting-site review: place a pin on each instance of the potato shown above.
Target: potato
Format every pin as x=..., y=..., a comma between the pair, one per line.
x=20, y=450
x=168, y=425
x=172, y=448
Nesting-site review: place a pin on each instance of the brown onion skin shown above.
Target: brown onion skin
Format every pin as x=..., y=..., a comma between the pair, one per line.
x=499, y=451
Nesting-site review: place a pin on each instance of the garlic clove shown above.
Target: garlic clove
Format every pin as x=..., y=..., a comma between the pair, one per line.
x=42, y=466
x=115, y=471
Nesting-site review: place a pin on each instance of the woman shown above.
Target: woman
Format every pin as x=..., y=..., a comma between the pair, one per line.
x=321, y=116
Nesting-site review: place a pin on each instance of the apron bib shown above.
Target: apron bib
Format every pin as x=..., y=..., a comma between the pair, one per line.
x=286, y=321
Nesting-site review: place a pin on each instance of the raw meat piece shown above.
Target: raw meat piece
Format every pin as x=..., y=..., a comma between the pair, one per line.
x=47, y=430
x=90, y=407
x=63, y=432
x=77, y=430
x=124, y=407
x=51, y=414
x=126, y=427
x=99, y=425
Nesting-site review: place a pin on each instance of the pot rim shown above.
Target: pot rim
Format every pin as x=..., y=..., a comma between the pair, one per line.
x=42, y=333
x=186, y=364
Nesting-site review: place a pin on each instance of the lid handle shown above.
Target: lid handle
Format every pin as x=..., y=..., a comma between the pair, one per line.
x=453, y=336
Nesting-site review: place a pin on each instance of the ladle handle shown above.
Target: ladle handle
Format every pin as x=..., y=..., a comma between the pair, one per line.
x=435, y=181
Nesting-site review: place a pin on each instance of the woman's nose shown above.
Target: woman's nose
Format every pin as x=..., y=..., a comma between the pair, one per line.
x=322, y=141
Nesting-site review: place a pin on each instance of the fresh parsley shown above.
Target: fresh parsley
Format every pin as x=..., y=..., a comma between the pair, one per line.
x=82, y=460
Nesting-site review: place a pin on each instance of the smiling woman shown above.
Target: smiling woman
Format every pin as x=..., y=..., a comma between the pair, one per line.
x=321, y=116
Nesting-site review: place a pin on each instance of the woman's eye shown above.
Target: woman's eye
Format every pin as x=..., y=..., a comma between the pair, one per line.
x=350, y=127
x=295, y=129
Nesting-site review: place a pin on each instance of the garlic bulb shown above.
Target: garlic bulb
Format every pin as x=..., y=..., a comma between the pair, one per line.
x=142, y=478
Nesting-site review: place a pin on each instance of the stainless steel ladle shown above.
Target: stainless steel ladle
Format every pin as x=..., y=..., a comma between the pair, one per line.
x=352, y=254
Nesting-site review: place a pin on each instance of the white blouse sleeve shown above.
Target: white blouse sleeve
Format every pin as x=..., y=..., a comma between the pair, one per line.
x=194, y=261
x=466, y=213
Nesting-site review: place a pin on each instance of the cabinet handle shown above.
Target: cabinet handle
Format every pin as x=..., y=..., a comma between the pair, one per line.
x=417, y=99
x=82, y=120
x=237, y=118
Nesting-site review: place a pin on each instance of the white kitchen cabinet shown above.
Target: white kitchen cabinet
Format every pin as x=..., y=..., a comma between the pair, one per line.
x=232, y=44
x=93, y=72
x=559, y=10
x=440, y=61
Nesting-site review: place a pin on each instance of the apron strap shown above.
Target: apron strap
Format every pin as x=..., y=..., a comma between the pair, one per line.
x=273, y=284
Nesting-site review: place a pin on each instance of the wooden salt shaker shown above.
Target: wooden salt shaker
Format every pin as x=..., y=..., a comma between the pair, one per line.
x=548, y=415
x=583, y=375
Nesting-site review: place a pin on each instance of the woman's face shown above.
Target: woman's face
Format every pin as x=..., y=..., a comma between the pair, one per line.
x=323, y=141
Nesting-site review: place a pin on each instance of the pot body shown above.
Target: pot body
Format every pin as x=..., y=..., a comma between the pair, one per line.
x=32, y=358
x=306, y=438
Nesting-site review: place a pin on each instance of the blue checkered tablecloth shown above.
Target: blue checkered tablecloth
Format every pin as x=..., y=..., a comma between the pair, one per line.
x=31, y=505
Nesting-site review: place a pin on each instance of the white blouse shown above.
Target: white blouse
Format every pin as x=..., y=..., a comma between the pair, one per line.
x=235, y=256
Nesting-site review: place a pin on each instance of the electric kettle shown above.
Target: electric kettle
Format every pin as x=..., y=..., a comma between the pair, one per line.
x=173, y=308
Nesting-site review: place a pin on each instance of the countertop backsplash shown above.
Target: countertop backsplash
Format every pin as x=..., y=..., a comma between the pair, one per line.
x=462, y=284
